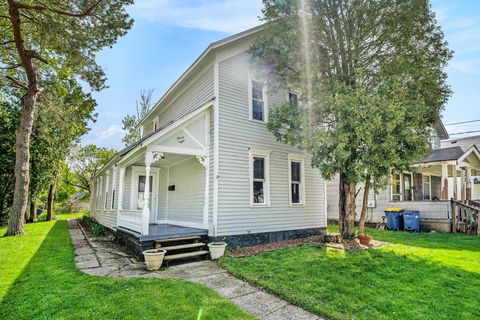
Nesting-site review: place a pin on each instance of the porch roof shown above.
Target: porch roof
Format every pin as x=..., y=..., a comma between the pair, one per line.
x=447, y=154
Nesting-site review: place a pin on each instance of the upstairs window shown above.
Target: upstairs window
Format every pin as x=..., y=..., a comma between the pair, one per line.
x=257, y=100
x=293, y=98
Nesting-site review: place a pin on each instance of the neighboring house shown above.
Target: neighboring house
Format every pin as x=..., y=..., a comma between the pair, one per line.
x=429, y=188
x=214, y=169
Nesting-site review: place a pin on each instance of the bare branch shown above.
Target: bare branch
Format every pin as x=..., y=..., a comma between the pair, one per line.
x=17, y=83
x=44, y=7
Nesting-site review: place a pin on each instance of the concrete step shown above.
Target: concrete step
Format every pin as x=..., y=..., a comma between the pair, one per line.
x=186, y=255
x=183, y=246
x=178, y=239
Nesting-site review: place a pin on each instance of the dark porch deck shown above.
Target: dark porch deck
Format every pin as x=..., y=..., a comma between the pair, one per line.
x=166, y=231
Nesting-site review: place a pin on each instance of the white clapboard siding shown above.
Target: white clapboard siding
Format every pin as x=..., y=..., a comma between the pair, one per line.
x=237, y=134
x=199, y=92
x=186, y=202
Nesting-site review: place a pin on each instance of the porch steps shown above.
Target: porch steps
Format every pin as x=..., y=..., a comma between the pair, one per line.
x=183, y=248
x=193, y=254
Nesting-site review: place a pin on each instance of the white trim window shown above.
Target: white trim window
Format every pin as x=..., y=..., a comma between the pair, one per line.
x=292, y=97
x=107, y=178
x=114, y=181
x=427, y=187
x=397, y=187
x=259, y=177
x=296, y=174
x=257, y=97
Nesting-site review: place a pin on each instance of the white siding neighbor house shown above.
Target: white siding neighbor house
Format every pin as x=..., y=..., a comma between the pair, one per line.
x=452, y=165
x=214, y=169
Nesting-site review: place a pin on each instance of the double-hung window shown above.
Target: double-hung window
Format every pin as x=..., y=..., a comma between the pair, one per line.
x=296, y=178
x=257, y=100
x=427, y=188
x=114, y=182
x=259, y=178
x=396, y=187
x=107, y=176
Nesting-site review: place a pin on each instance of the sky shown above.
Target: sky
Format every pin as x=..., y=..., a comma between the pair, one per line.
x=168, y=35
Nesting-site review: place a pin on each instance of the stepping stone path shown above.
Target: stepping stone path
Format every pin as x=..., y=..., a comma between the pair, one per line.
x=109, y=260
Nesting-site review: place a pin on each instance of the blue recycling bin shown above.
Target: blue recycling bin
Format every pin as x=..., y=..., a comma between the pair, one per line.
x=411, y=221
x=394, y=218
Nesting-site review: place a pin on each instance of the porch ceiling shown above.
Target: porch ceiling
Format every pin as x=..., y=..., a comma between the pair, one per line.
x=167, y=160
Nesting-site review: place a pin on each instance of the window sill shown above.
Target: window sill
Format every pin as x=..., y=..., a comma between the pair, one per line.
x=294, y=205
x=259, y=205
x=258, y=121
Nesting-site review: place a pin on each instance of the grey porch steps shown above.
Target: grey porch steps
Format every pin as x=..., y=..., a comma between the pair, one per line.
x=178, y=239
x=183, y=246
x=192, y=254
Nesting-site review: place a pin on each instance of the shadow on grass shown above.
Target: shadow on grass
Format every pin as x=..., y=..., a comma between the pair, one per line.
x=51, y=287
x=373, y=284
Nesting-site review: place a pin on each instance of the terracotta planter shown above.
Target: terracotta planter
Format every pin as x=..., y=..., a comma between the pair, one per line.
x=217, y=249
x=154, y=258
x=364, y=239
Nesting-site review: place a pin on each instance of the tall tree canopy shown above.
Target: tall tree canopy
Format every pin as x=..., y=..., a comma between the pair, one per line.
x=45, y=39
x=131, y=121
x=85, y=162
x=371, y=81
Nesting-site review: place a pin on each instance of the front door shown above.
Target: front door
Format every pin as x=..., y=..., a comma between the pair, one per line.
x=139, y=194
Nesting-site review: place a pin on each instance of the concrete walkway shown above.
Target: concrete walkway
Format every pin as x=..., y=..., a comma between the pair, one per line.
x=109, y=260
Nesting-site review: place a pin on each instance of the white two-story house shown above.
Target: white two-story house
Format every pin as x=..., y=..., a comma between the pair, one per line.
x=213, y=168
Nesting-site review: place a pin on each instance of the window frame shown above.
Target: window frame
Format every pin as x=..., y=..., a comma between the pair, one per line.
x=429, y=187
x=298, y=158
x=252, y=78
x=114, y=181
x=107, y=181
x=400, y=180
x=265, y=154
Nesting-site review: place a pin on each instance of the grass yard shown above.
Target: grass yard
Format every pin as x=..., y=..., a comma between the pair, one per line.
x=39, y=280
x=419, y=276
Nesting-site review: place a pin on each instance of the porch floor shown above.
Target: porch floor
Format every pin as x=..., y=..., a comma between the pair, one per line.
x=166, y=231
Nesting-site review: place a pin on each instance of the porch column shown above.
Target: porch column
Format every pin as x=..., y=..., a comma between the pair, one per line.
x=205, y=162
x=455, y=198
x=469, y=184
x=121, y=177
x=463, y=186
x=444, y=181
x=146, y=200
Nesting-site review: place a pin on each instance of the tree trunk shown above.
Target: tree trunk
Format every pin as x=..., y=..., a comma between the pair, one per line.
x=363, y=215
x=22, y=145
x=33, y=211
x=22, y=162
x=347, y=208
x=51, y=196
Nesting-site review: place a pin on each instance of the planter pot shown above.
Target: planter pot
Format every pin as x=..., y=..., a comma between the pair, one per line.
x=217, y=249
x=364, y=239
x=154, y=258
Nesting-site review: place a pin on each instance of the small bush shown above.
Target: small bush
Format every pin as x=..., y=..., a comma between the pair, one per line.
x=94, y=228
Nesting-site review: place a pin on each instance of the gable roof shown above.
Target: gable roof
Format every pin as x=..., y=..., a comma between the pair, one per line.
x=447, y=154
x=203, y=57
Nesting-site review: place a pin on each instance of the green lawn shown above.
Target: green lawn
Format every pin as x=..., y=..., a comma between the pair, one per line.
x=39, y=280
x=419, y=276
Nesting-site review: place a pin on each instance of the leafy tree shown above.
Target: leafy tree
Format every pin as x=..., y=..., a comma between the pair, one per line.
x=84, y=163
x=371, y=81
x=130, y=122
x=9, y=115
x=63, y=116
x=44, y=39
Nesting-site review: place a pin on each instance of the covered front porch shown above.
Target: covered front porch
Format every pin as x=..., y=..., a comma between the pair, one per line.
x=163, y=182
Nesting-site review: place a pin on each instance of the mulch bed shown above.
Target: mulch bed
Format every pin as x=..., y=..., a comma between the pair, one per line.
x=330, y=240
x=109, y=236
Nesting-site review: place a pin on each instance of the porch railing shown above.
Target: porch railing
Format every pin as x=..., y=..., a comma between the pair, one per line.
x=130, y=219
x=465, y=216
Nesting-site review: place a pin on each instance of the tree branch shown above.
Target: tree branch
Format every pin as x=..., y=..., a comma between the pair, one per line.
x=17, y=83
x=44, y=7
